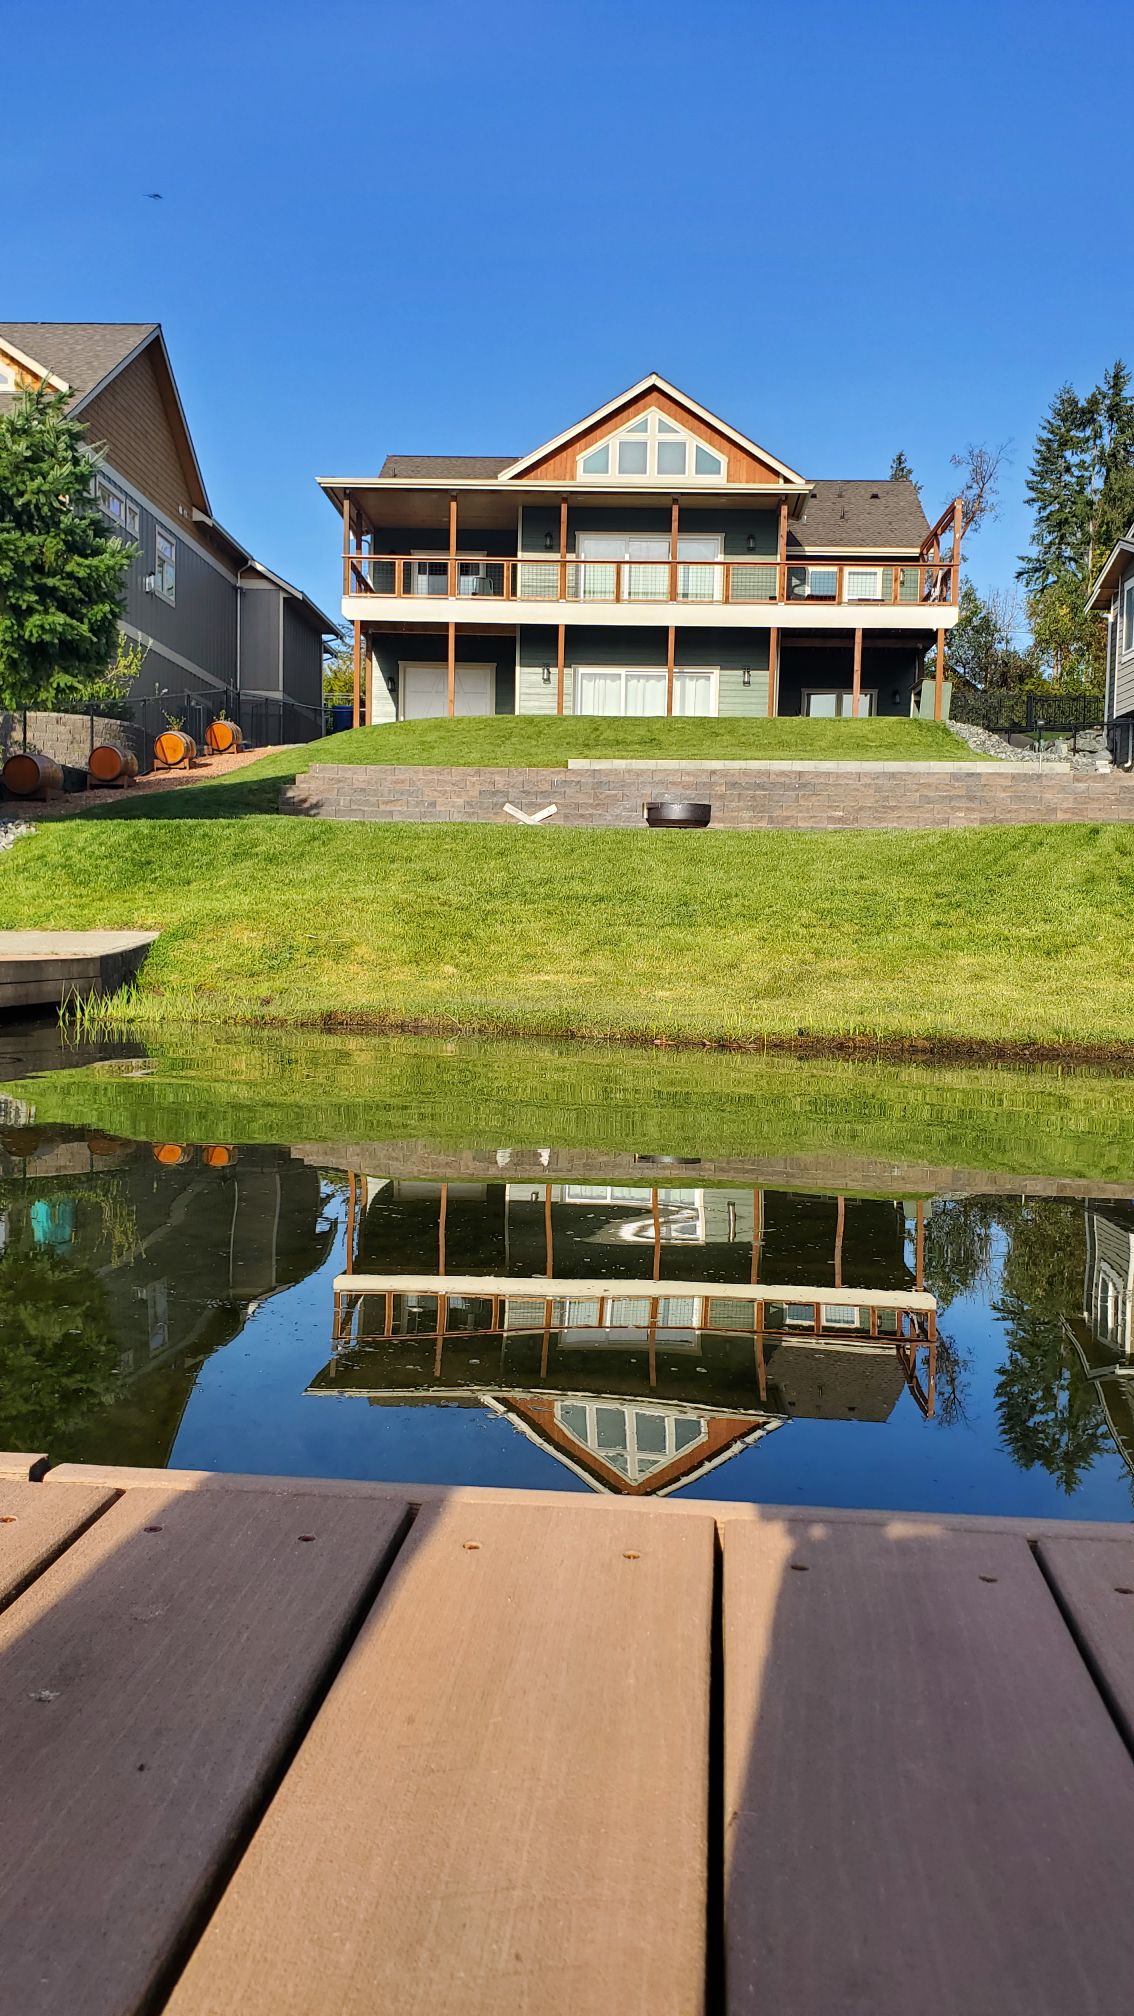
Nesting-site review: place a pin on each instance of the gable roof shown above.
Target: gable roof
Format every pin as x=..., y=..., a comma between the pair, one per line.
x=653, y=382
x=86, y=356
x=462, y=468
x=852, y=511
x=1114, y=566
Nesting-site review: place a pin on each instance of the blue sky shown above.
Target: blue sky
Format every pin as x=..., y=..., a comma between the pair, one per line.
x=433, y=226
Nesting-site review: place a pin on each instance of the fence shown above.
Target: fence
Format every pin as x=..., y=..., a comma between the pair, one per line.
x=1015, y=712
x=260, y=720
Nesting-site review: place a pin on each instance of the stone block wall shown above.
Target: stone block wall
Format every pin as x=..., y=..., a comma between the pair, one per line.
x=67, y=738
x=744, y=796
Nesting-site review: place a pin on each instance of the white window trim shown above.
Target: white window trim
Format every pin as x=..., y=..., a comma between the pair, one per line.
x=652, y=438
x=711, y=672
x=433, y=665
x=638, y=1465
x=1126, y=618
x=807, y=569
x=130, y=524
x=876, y=572
x=168, y=595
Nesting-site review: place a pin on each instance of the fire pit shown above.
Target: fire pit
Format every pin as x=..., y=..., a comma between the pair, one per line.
x=678, y=813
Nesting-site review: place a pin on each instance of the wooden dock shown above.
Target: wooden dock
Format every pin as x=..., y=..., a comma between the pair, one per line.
x=301, y=1748
x=43, y=969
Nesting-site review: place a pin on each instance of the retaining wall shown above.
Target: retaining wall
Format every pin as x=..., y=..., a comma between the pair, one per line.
x=743, y=795
x=68, y=737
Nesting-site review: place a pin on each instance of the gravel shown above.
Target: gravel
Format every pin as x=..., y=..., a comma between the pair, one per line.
x=1090, y=747
x=12, y=830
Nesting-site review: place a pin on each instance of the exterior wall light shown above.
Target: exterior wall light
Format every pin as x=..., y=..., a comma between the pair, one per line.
x=548, y=542
x=547, y=675
x=748, y=675
x=750, y=542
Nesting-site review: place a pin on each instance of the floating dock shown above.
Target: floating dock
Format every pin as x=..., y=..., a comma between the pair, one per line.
x=42, y=969
x=293, y=1747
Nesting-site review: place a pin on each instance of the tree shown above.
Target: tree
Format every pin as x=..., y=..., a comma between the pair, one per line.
x=982, y=647
x=1056, y=488
x=980, y=486
x=1048, y=1410
x=900, y=471
x=338, y=672
x=62, y=572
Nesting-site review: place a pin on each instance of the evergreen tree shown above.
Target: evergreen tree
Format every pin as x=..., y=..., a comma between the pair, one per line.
x=1057, y=488
x=1113, y=508
x=900, y=471
x=982, y=650
x=61, y=570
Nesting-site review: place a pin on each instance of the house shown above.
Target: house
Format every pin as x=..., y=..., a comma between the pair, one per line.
x=1113, y=597
x=1103, y=1334
x=649, y=559
x=212, y=621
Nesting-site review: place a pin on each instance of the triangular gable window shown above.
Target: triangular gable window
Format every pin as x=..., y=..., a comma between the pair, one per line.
x=652, y=448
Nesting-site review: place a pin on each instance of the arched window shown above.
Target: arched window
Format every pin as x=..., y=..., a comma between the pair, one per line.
x=652, y=449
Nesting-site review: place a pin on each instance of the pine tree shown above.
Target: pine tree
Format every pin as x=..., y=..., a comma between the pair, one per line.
x=1057, y=489
x=900, y=471
x=61, y=570
x=1113, y=488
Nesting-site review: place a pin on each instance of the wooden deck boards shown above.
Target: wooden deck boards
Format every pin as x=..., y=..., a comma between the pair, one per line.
x=563, y=1762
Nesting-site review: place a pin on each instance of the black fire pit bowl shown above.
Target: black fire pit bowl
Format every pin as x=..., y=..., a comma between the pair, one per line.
x=678, y=814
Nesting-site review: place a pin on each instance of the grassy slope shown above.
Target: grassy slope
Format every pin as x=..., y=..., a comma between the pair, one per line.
x=527, y=741
x=317, y=1088
x=1006, y=935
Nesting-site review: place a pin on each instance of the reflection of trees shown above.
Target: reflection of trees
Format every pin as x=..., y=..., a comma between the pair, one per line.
x=1048, y=1410
x=958, y=1247
x=57, y=1355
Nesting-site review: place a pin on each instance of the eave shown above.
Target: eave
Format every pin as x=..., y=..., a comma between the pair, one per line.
x=1113, y=568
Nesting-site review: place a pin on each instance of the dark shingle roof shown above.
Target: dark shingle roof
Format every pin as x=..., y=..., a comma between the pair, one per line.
x=463, y=468
x=82, y=353
x=852, y=511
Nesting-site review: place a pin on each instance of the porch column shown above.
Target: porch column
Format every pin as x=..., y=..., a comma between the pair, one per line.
x=781, y=553
x=669, y=657
x=356, y=698
x=673, y=516
x=919, y=1246
x=958, y=520
x=451, y=701
x=563, y=549
x=939, y=676
x=368, y=675
x=560, y=654
x=856, y=686
x=773, y=670
x=346, y=546
x=451, y=582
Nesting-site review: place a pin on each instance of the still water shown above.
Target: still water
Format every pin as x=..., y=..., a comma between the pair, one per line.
x=612, y=1322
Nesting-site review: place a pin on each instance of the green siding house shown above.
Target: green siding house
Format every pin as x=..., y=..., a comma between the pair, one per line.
x=650, y=559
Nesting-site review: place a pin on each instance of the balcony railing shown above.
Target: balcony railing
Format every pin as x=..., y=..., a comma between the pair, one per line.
x=747, y=581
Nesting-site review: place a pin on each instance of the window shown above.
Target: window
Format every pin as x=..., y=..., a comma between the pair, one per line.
x=165, y=565
x=813, y=584
x=632, y=1440
x=863, y=584
x=114, y=504
x=838, y=705
x=641, y=690
x=652, y=446
x=1128, y=618
x=7, y=378
x=634, y=566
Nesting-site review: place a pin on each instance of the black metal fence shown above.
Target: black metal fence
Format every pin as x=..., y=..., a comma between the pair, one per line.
x=261, y=720
x=1022, y=713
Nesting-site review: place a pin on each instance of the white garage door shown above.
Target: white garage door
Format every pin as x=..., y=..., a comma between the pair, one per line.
x=425, y=691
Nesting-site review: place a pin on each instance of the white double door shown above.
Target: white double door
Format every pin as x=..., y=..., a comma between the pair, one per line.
x=610, y=689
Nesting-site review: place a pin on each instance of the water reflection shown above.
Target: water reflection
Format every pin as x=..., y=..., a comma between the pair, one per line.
x=353, y=1311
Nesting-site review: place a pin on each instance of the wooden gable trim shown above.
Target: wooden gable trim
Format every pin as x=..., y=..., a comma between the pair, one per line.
x=28, y=372
x=130, y=418
x=152, y=350
x=538, y=1418
x=741, y=464
x=557, y=456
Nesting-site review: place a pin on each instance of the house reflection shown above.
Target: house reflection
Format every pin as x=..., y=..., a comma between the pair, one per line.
x=642, y=1335
x=1103, y=1332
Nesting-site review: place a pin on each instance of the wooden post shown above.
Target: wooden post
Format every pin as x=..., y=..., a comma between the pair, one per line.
x=548, y=1240
x=757, y=1232
x=451, y=698
x=856, y=689
x=452, y=575
x=919, y=1247
x=781, y=550
x=773, y=670
x=958, y=519
x=656, y=1215
x=346, y=546
x=840, y=1225
x=356, y=697
x=939, y=677
x=562, y=552
x=368, y=675
x=670, y=650
x=673, y=516
x=352, y=1195
x=560, y=675
x=442, y=1215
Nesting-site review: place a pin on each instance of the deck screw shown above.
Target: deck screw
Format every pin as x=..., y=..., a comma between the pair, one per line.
x=799, y=1568
x=990, y=1578
x=1120, y=1589
x=151, y=1529
x=631, y=1557
x=307, y=1536
x=472, y=1546
x=7, y=1519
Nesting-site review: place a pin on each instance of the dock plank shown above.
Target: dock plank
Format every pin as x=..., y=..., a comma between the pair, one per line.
x=151, y=1682
x=19, y=1462
x=1095, y=1582
x=36, y=1525
x=927, y=1805
x=501, y=1807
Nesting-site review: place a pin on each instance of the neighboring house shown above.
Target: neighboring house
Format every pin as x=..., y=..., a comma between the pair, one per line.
x=1113, y=597
x=1104, y=1333
x=212, y=620
x=648, y=560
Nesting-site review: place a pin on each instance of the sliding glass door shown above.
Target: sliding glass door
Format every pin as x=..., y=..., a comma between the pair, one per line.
x=641, y=690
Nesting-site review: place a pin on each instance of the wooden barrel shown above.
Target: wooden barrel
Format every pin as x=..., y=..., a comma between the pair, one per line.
x=109, y=764
x=171, y=1154
x=174, y=747
x=223, y=737
x=218, y=1156
x=30, y=776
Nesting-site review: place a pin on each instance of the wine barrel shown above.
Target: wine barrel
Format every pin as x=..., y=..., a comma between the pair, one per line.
x=31, y=776
x=223, y=738
x=172, y=748
x=218, y=1156
x=171, y=1154
x=109, y=764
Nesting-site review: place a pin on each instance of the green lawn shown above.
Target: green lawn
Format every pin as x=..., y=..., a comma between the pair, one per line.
x=875, y=1117
x=519, y=739
x=1000, y=936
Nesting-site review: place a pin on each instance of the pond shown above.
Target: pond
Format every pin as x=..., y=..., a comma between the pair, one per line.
x=585, y=1271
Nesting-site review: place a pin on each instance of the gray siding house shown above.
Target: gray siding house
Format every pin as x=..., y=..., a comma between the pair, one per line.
x=213, y=622
x=1113, y=597
x=649, y=559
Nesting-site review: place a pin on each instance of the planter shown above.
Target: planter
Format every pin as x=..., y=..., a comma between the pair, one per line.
x=173, y=750
x=679, y=813
x=223, y=738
